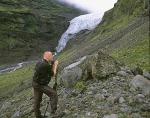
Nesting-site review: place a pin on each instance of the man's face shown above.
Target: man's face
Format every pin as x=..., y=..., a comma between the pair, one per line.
x=51, y=58
x=48, y=56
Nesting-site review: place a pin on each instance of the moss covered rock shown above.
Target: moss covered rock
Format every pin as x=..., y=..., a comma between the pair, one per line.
x=96, y=66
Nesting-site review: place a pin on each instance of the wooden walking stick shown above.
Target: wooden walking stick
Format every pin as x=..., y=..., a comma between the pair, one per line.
x=46, y=109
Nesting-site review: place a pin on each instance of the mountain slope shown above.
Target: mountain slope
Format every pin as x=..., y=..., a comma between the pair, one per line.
x=30, y=27
x=125, y=27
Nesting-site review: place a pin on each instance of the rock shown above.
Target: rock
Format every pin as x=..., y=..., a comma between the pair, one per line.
x=105, y=66
x=137, y=71
x=70, y=77
x=126, y=69
x=16, y=115
x=111, y=116
x=145, y=108
x=99, y=97
x=114, y=98
x=146, y=75
x=67, y=111
x=91, y=115
x=125, y=108
x=88, y=113
x=90, y=93
x=79, y=61
x=74, y=93
x=98, y=65
x=5, y=106
x=139, y=98
x=121, y=100
x=27, y=111
x=139, y=82
x=136, y=115
x=122, y=73
x=105, y=93
x=111, y=99
x=131, y=100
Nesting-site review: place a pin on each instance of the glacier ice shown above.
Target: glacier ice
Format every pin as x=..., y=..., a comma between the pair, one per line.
x=82, y=22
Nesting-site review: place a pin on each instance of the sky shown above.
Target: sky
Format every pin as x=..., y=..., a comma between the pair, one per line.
x=92, y=5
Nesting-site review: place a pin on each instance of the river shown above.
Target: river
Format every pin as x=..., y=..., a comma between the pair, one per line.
x=14, y=67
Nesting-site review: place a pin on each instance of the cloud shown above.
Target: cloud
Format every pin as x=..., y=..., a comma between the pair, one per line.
x=92, y=5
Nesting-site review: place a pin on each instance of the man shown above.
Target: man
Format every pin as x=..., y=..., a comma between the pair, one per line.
x=44, y=70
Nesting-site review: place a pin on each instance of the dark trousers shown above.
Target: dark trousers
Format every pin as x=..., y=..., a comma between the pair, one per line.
x=38, y=92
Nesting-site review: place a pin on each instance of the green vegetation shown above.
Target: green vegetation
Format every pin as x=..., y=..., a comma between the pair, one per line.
x=24, y=94
x=130, y=7
x=12, y=82
x=135, y=55
x=80, y=86
x=14, y=10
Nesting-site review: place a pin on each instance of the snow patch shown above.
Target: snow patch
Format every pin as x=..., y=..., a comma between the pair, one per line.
x=83, y=22
x=76, y=63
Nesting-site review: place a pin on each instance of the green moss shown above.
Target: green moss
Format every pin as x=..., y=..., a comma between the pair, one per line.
x=80, y=86
x=65, y=55
x=115, y=25
x=31, y=24
x=12, y=43
x=129, y=7
x=138, y=54
x=14, y=10
x=123, y=115
x=24, y=94
x=11, y=81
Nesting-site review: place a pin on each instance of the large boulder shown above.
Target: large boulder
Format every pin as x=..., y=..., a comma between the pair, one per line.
x=139, y=82
x=70, y=77
x=146, y=75
x=98, y=65
x=137, y=71
x=105, y=66
x=16, y=115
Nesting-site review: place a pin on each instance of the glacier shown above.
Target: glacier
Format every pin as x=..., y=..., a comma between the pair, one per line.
x=82, y=22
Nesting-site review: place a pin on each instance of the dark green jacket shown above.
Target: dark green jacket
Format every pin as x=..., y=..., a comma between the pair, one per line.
x=43, y=72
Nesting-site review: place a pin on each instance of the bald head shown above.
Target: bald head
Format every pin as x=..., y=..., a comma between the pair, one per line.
x=48, y=56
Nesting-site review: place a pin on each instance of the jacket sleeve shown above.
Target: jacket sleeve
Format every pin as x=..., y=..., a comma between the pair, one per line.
x=36, y=73
x=52, y=72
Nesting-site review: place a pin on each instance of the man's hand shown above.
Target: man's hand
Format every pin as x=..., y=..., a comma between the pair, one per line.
x=55, y=67
x=56, y=62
